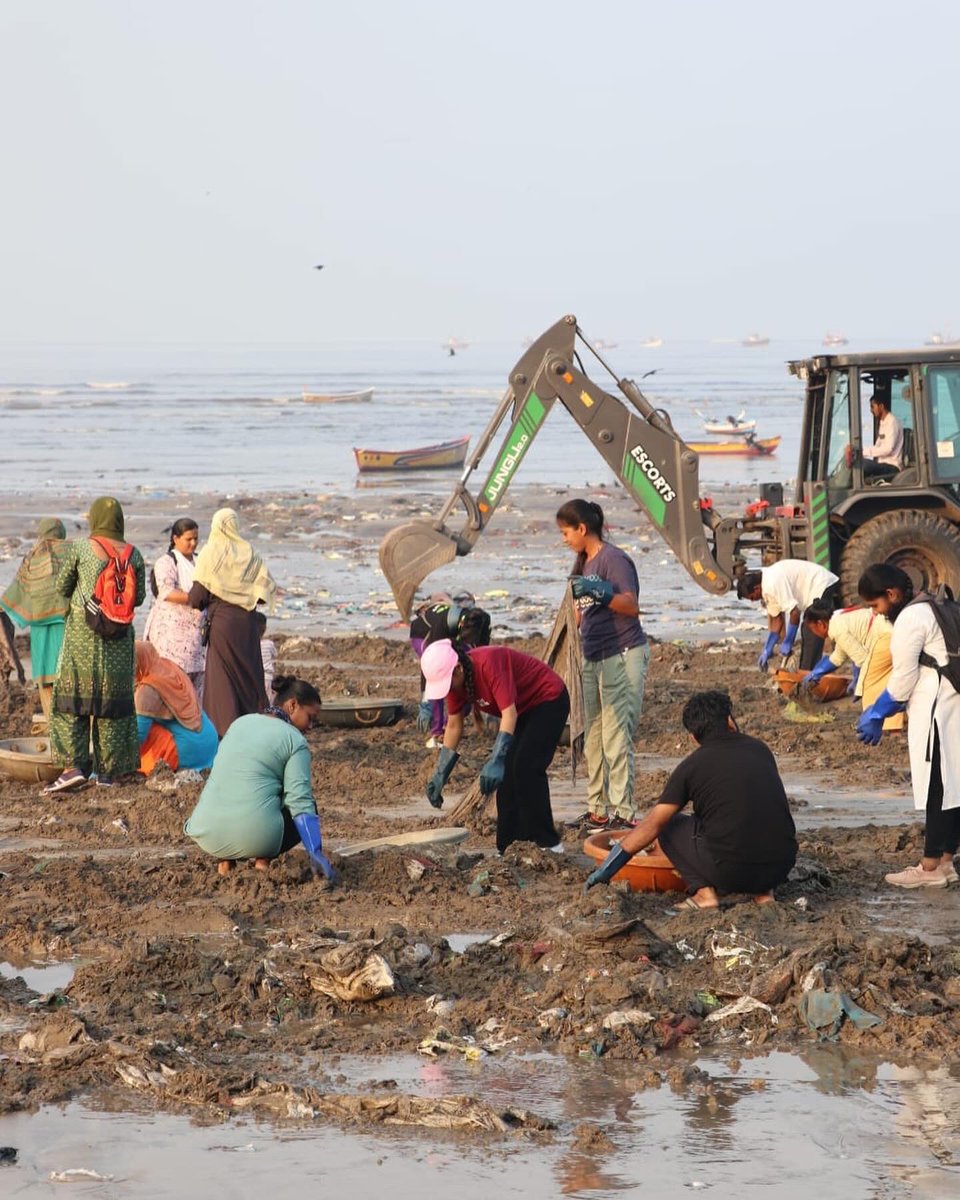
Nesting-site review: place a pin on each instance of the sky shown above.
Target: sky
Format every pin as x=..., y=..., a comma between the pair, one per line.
x=173, y=171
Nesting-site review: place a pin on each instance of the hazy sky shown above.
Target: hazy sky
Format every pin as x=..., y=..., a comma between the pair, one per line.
x=172, y=169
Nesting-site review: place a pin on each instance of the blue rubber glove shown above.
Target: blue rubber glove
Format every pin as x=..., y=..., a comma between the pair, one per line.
x=870, y=725
x=425, y=715
x=764, y=658
x=823, y=667
x=446, y=761
x=617, y=858
x=592, y=587
x=851, y=690
x=308, y=827
x=491, y=776
x=786, y=646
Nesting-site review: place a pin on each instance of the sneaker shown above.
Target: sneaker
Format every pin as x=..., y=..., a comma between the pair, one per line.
x=557, y=849
x=105, y=781
x=917, y=877
x=588, y=820
x=949, y=872
x=620, y=823
x=67, y=780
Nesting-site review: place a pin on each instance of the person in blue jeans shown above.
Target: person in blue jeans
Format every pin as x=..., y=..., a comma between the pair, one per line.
x=616, y=656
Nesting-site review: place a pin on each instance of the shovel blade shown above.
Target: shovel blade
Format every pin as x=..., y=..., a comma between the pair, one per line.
x=407, y=556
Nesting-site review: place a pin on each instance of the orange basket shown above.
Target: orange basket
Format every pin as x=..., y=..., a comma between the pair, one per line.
x=830, y=687
x=645, y=872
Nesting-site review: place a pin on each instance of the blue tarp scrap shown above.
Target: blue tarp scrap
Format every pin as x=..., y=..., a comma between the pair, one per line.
x=823, y=1012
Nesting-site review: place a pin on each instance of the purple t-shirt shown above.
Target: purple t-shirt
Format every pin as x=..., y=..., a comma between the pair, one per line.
x=605, y=633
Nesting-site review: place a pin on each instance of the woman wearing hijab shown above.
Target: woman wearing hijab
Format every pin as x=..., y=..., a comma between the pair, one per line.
x=172, y=727
x=229, y=581
x=172, y=625
x=93, y=692
x=32, y=599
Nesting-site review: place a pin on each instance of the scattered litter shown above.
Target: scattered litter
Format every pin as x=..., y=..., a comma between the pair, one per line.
x=799, y=716
x=740, y=1008
x=351, y=972
x=437, y=1004
x=78, y=1175
x=686, y=949
x=627, y=1016
x=739, y=949
x=121, y=824
x=823, y=1012
x=814, y=977
x=550, y=1018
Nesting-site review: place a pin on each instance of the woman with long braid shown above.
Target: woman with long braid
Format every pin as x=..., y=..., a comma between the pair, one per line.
x=532, y=703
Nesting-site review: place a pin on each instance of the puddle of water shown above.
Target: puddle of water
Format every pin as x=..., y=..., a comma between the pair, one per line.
x=830, y=1122
x=42, y=977
x=932, y=915
x=459, y=942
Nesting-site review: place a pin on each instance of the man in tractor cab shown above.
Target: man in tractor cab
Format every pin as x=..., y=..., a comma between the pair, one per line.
x=884, y=458
x=786, y=589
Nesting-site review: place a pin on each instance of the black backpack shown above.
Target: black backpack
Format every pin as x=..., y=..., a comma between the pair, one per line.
x=946, y=610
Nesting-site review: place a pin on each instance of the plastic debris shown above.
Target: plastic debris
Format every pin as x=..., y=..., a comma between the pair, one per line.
x=738, y=949
x=627, y=1017
x=550, y=1018
x=823, y=1013
x=740, y=1008
x=78, y=1175
x=437, y=1004
x=352, y=972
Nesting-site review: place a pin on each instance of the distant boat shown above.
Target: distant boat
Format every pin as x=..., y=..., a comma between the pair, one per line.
x=338, y=397
x=441, y=455
x=747, y=447
x=731, y=425
x=452, y=345
x=834, y=339
x=652, y=343
x=756, y=339
x=941, y=339
x=600, y=344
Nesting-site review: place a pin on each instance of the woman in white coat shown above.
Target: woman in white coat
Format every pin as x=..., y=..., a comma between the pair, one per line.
x=933, y=720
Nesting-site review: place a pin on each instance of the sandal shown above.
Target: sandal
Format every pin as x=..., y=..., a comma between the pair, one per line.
x=688, y=903
x=73, y=777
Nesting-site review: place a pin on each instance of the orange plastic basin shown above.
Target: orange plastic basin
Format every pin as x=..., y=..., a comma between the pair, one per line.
x=645, y=872
x=830, y=687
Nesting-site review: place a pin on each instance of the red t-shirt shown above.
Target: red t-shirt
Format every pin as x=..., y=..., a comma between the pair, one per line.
x=502, y=677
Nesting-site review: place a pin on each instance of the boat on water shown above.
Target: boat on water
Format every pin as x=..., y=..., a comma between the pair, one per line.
x=440, y=456
x=834, y=339
x=338, y=397
x=942, y=339
x=756, y=339
x=746, y=447
x=600, y=344
x=652, y=343
x=730, y=426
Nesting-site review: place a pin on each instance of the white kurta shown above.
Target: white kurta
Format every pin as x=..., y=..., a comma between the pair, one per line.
x=916, y=630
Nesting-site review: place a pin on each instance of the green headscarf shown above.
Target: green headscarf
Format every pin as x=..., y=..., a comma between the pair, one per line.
x=33, y=598
x=106, y=518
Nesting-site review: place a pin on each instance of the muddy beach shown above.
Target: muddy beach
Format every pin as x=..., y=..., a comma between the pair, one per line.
x=131, y=973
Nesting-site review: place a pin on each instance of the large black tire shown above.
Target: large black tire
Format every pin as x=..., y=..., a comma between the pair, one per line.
x=921, y=543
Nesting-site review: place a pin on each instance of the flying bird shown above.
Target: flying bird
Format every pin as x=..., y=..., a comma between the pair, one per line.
x=653, y=372
x=318, y=267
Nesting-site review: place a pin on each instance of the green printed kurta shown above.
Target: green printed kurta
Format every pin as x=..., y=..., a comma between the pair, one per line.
x=95, y=679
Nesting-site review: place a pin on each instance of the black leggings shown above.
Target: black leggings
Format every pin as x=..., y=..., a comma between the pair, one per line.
x=523, y=799
x=811, y=646
x=942, y=833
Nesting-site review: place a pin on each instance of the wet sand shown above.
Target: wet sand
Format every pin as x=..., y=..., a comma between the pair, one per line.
x=191, y=994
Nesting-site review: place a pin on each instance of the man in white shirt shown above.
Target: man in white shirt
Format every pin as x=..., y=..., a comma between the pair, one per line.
x=884, y=458
x=786, y=589
x=933, y=715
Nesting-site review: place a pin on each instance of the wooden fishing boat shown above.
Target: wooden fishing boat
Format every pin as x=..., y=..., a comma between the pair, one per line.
x=440, y=455
x=338, y=397
x=751, y=447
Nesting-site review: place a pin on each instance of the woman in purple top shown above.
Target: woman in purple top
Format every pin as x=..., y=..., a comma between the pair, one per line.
x=615, y=660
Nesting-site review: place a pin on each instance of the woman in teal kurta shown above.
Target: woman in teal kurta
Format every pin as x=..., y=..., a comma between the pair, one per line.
x=93, y=692
x=32, y=599
x=258, y=802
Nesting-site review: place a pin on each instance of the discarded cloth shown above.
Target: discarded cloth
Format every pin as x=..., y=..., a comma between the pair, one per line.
x=823, y=1012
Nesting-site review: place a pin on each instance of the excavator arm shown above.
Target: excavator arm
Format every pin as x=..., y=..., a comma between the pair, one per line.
x=638, y=443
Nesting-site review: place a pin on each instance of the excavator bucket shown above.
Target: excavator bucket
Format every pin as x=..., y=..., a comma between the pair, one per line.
x=407, y=556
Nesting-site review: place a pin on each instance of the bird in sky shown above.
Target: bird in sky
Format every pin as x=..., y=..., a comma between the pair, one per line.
x=653, y=372
x=318, y=267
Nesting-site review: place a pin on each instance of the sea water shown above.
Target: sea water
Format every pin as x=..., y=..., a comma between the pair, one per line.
x=232, y=419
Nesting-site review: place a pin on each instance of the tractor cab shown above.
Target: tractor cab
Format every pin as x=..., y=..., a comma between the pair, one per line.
x=906, y=475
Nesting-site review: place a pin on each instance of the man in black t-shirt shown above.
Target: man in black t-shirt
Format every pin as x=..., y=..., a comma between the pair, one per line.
x=740, y=836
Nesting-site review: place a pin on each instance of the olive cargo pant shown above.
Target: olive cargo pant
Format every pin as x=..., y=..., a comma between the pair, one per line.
x=612, y=704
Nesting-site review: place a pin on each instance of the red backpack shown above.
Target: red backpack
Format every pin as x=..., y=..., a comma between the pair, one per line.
x=109, y=611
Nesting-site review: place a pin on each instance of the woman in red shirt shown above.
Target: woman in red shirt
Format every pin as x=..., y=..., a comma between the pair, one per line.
x=532, y=703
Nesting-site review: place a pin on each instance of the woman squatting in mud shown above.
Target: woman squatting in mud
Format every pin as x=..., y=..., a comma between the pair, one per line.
x=532, y=703
x=258, y=802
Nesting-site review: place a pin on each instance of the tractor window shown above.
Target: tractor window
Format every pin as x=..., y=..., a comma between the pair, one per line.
x=836, y=468
x=944, y=393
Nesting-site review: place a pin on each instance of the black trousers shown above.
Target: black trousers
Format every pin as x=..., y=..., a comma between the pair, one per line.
x=523, y=798
x=811, y=647
x=942, y=833
x=682, y=841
